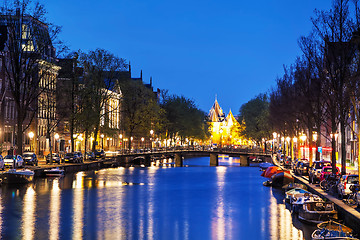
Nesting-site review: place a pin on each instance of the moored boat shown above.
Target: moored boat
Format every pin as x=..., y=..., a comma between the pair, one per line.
x=14, y=176
x=332, y=230
x=316, y=210
x=281, y=179
x=54, y=172
x=264, y=165
x=300, y=201
x=293, y=194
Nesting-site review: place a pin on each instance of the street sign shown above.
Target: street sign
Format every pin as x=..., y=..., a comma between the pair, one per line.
x=320, y=149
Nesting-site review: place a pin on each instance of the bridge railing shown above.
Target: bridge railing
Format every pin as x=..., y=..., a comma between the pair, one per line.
x=191, y=148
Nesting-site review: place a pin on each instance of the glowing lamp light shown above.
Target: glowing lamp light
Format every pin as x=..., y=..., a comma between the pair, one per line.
x=57, y=136
x=303, y=137
x=295, y=139
x=288, y=139
x=31, y=135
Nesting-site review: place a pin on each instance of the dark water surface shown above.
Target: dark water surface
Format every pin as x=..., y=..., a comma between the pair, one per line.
x=191, y=202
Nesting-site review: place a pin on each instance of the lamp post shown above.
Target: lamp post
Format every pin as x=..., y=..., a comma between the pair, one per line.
x=288, y=146
x=31, y=136
x=151, y=139
x=303, y=138
x=273, y=143
x=121, y=140
x=317, y=156
x=292, y=153
x=56, y=141
x=102, y=141
x=142, y=142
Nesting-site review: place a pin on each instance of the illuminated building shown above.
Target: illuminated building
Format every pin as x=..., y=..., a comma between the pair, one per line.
x=225, y=130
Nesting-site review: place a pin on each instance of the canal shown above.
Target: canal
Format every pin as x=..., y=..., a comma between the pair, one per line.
x=160, y=202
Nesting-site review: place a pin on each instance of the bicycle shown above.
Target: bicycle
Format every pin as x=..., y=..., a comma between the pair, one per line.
x=330, y=182
x=352, y=198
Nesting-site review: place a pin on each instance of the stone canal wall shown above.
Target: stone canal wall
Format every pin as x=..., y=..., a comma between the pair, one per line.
x=350, y=216
x=39, y=171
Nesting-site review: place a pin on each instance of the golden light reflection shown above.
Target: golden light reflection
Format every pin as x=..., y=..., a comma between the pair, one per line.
x=109, y=217
x=28, y=218
x=281, y=226
x=55, y=202
x=150, y=203
x=78, y=205
x=218, y=221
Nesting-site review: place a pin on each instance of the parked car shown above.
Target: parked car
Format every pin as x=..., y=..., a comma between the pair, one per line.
x=343, y=186
x=302, y=168
x=2, y=163
x=99, y=153
x=30, y=158
x=79, y=156
x=10, y=159
x=315, y=170
x=326, y=171
x=71, y=158
x=90, y=155
x=55, y=158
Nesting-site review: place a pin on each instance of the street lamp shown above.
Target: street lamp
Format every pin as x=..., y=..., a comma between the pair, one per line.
x=288, y=145
x=274, y=137
x=303, y=138
x=31, y=136
x=151, y=139
x=142, y=142
x=293, y=152
x=102, y=141
x=121, y=139
x=56, y=141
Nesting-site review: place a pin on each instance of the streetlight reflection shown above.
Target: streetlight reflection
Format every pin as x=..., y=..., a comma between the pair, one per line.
x=55, y=202
x=28, y=219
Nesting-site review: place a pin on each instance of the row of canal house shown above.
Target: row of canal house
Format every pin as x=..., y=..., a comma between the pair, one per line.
x=46, y=93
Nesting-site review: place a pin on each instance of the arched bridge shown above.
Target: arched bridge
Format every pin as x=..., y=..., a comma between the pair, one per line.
x=178, y=155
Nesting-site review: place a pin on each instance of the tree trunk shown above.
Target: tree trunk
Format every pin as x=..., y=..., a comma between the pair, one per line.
x=19, y=139
x=343, y=150
x=85, y=148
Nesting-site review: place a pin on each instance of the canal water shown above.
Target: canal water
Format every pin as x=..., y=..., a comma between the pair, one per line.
x=191, y=202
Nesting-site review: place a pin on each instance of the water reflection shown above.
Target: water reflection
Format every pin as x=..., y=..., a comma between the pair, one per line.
x=150, y=203
x=28, y=217
x=78, y=204
x=54, y=219
x=218, y=222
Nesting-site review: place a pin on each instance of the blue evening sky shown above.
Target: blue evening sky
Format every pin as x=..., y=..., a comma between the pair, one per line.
x=234, y=49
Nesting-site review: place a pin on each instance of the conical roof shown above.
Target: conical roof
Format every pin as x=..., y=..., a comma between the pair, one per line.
x=216, y=113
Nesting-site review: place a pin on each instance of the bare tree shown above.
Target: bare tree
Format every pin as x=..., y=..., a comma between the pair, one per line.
x=30, y=57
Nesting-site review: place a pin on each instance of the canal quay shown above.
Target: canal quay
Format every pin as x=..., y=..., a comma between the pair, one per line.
x=162, y=201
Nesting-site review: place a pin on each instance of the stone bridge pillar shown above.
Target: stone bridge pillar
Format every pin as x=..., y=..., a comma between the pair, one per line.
x=147, y=161
x=244, y=161
x=178, y=160
x=214, y=159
